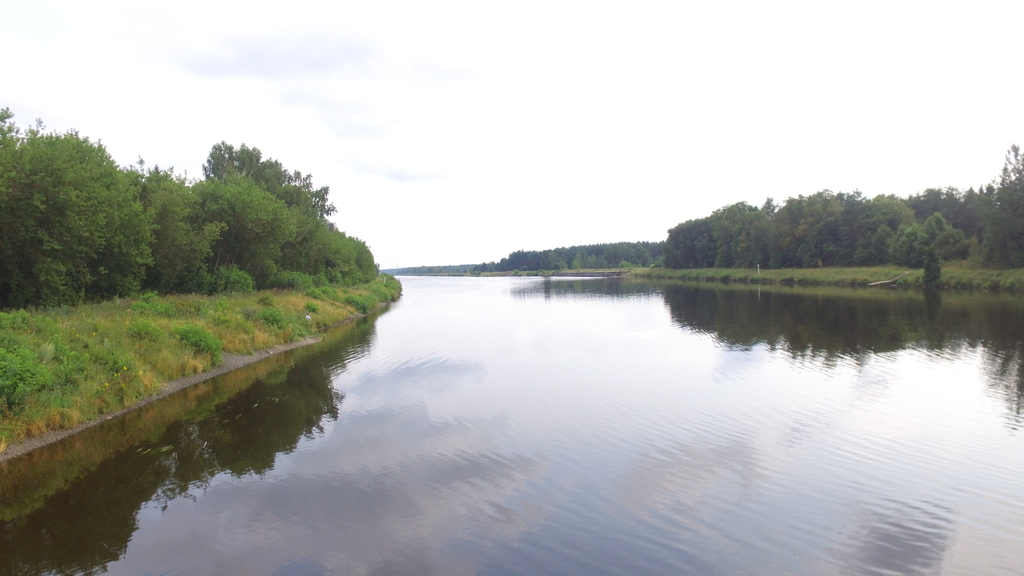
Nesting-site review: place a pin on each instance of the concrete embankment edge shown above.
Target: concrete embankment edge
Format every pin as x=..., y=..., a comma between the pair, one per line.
x=231, y=362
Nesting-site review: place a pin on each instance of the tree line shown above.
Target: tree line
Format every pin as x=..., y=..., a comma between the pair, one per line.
x=613, y=255
x=846, y=229
x=75, y=226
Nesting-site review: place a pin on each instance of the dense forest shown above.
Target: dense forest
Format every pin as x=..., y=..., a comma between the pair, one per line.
x=75, y=226
x=614, y=255
x=827, y=228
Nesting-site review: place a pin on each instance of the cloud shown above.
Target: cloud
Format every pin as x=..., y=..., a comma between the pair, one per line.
x=391, y=173
x=284, y=57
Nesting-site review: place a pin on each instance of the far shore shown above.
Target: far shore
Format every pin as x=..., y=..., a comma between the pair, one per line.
x=955, y=276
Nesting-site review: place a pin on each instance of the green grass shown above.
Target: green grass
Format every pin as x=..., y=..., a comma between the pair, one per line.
x=63, y=366
x=955, y=275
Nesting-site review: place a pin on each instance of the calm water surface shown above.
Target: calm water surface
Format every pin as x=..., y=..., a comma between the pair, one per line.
x=531, y=426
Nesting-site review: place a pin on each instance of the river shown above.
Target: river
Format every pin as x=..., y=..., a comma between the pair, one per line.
x=567, y=426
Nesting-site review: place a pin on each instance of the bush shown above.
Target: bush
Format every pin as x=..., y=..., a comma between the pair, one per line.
x=21, y=374
x=201, y=340
x=311, y=307
x=190, y=305
x=323, y=293
x=157, y=308
x=266, y=300
x=231, y=279
x=362, y=303
x=291, y=281
x=271, y=317
x=145, y=331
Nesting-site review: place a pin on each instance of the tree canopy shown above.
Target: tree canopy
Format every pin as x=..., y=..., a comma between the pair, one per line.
x=75, y=226
x=846, y=229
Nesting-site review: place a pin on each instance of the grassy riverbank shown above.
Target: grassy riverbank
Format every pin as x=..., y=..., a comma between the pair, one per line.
x=955, y=275
x=63, y=366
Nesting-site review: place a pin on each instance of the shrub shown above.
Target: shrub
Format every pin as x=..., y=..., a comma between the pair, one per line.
x=311, y=307
x=323, y=293
x=190, y=306
x=291, y=280
x=271, y=317
x=13, y=321
x=231, y=279
x=21, y=374
x=266, y=300
x=150, y=303
x=201, y=340
x=145, y=331
x=362, y=303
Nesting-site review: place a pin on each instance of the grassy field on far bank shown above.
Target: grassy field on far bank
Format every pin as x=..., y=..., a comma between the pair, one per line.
x=955, y=275
x=63, y=366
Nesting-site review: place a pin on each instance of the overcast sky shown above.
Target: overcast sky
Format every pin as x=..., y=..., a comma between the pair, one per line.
x=455, y=133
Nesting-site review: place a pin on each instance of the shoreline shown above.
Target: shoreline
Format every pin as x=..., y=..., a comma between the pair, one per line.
x=955, y=276
x=230, y=363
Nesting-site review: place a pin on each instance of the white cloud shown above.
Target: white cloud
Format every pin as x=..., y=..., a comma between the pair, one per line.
x=457, y=132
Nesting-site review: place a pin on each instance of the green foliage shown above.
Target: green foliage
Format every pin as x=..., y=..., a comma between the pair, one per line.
x=201, y=340
x=291, y=280
x=1003, y=214
x=312, y=307
x=182, y=243
x=574, y=257
x=271, y=317
x=256, y=223
x=361, y=302
x=74, y=226
x=150, y=303
x=21, y=375
x=324, y=293
x=265, y=300
x=71, y=226
x=846, y=229
x=144, y=330
x=62, y=366
x=230, y=278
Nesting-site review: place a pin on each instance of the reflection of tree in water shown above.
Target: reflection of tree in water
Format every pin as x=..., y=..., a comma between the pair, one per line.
x=603, y=288
x=831, y=326
x=89, y=524
x=1006, y=376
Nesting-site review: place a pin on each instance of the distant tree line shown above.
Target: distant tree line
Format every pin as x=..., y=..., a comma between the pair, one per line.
x=423, y=270
x=615, y=255
x=846, y=229
x=74, y=226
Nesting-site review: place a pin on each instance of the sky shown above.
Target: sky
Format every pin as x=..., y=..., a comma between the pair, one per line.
x=457, y=132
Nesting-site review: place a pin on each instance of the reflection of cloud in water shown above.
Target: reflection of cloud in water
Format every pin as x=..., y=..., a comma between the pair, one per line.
x=681, y=478
x=432, y=375
x=906, y=540
x=396, y=494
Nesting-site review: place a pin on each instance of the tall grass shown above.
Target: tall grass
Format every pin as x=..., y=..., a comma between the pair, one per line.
x=63, y=366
